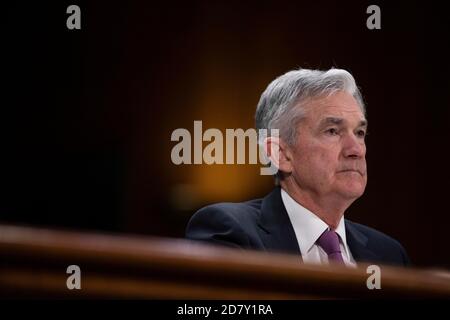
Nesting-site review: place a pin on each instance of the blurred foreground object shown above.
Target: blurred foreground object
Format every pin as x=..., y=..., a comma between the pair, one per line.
x=33, y=263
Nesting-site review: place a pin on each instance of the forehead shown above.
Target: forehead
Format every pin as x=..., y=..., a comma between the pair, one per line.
x=339, y=105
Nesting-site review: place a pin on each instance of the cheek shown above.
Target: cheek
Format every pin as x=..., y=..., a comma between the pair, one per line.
x=316, y=161
x=323, y=157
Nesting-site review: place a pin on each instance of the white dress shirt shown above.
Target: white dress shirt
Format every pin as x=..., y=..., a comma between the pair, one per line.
x=308, y=228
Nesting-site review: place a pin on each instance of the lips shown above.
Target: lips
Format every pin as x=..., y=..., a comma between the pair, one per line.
x=351, y=170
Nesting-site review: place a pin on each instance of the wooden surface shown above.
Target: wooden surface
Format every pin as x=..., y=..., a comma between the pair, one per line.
x=33, y=263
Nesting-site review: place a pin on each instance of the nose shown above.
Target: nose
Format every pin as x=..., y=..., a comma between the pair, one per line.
x=353, y=147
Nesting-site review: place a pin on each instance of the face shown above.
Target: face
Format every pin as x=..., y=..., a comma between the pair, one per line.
x=328, y=158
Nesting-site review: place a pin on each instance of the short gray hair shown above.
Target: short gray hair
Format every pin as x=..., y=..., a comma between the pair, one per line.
x=295, y=88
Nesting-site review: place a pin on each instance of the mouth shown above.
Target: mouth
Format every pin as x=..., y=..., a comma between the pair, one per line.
x=351, y=170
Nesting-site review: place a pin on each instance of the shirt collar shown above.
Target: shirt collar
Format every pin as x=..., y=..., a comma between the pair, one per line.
x=307, y=226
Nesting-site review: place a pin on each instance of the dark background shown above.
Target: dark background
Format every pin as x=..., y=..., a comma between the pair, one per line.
x=86, y=115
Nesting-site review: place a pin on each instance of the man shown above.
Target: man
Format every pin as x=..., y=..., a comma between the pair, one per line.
x=320, y=156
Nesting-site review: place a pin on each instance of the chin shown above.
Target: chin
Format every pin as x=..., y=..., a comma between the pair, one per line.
x=354, y=194
x=352, y=190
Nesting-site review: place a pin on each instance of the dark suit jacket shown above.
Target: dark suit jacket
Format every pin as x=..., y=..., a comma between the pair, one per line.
x=264, y=224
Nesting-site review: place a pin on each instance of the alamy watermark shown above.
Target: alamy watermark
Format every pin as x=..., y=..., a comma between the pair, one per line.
x=374, y=20
x=74, y=19
x=74, y=280
x=374, y=280
x=190, y=149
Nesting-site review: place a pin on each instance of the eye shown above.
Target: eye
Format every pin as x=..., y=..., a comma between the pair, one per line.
x=332, y=131
x=361, y=133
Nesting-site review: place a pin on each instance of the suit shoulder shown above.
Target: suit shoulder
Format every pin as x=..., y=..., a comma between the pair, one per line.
x=372, y=233
x=381, y=242
x=234, y=210
x=225, y=223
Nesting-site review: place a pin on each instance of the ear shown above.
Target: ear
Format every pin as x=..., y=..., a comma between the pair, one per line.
x=279, y=153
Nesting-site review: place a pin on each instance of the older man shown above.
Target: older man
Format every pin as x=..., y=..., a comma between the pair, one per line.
x=320, y=156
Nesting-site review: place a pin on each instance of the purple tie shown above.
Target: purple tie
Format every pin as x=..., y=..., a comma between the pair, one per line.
x=329, y=241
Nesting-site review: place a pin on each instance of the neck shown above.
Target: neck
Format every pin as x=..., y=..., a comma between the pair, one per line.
x=328, y=209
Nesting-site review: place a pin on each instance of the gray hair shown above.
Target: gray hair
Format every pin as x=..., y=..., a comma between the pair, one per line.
x=281, y=105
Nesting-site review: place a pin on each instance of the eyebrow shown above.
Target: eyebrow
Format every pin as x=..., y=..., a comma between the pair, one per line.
x=339, y=121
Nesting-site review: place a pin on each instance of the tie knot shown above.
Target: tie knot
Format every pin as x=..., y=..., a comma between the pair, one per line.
x=329, y=241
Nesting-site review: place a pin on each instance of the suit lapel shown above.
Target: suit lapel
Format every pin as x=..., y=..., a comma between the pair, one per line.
x=357, y=242
x=275, y=228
